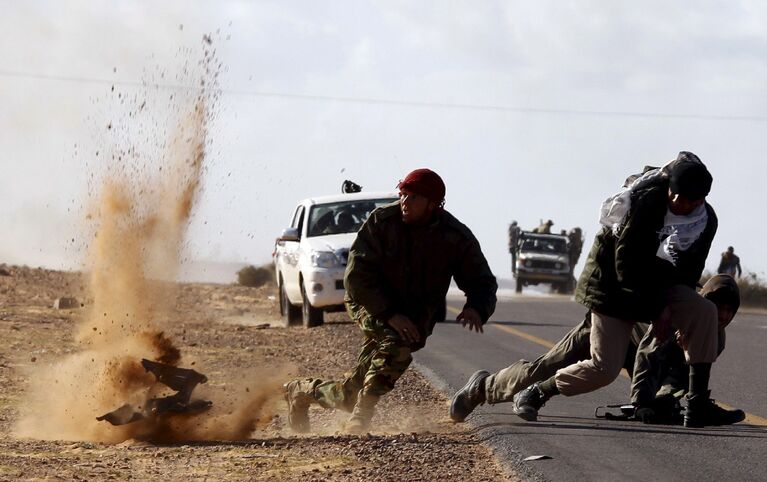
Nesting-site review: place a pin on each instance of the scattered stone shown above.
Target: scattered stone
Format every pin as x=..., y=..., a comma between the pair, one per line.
x=536, y=457
x=65, y=303
x=4, y=272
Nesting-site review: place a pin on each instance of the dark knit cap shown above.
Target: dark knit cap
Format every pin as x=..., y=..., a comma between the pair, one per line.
x=689, y=177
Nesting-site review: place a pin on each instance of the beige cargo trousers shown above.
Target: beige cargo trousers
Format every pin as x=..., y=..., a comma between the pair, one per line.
x=694, y=316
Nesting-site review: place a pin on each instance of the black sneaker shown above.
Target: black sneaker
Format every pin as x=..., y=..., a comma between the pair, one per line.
x=467, y=398
x=527, y=402
x=702, y=411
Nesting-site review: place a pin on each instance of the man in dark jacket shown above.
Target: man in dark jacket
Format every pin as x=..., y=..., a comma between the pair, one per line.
x=730, y=263
x=397, y=277
x=514, y=232
x=644, y=265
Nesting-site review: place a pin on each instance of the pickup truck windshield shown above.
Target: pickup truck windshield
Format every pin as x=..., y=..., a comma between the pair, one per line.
x=342, y=217
x=544, y=245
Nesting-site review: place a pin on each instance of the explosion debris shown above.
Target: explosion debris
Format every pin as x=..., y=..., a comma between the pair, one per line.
x=183, y=380
x=155, y=148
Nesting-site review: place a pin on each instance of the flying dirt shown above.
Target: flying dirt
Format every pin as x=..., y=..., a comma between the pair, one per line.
x=125, y=368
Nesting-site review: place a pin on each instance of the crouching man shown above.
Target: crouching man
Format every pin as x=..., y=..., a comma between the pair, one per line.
x=660, y=375
x=397, y=277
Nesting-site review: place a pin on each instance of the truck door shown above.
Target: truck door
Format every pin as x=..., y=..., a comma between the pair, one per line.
x=291, y=250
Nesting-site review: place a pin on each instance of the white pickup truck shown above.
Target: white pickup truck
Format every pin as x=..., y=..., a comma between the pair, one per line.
x=310, y=256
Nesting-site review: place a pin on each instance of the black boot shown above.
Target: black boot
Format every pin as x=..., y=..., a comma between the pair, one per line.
x=467, y=398
x=702, y=412
x=527, y=402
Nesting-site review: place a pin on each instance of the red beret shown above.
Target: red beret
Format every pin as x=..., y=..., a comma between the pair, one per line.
x=425, y=182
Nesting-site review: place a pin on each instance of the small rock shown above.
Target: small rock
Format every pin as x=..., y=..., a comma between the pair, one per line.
x=4, y=272
x=65, y=303
x=536, y=457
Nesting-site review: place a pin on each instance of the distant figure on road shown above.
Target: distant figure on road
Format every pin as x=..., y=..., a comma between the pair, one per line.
x=730, y=263
x=399, y=270
x=514, y=231
x=544, y=228
x=574, y=246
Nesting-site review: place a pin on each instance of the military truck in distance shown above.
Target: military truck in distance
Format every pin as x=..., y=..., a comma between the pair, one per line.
x=543, y=258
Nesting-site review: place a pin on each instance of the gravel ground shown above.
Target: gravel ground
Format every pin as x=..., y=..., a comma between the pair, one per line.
x=226, y=331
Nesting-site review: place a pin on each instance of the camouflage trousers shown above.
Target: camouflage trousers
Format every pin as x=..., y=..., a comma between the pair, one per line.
x=383, y=359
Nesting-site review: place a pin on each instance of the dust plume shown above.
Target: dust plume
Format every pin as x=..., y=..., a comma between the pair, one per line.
x=138, y=224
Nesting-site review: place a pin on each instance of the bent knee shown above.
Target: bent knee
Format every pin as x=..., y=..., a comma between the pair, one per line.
x=604, y=376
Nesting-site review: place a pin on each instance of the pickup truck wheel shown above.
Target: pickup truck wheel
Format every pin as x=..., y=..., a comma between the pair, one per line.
x=291, y=315
x=311, y=316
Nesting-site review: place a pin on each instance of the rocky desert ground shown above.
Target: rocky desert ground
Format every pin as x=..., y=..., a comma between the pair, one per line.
x=228, y=333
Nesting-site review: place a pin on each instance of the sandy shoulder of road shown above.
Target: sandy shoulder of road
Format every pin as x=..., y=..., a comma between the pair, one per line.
x=221, y=330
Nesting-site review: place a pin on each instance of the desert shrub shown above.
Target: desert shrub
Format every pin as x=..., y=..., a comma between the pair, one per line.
x=753, y=291
x=255, y=276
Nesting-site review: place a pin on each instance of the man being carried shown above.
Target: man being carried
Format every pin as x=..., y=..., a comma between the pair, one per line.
x=397, y=277
x=660, y=376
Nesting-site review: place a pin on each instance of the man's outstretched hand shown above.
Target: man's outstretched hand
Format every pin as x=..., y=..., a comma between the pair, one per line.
x=469, y=316
x=406, y=329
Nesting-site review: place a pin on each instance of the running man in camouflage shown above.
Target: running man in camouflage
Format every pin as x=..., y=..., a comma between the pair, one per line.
x=397, y=277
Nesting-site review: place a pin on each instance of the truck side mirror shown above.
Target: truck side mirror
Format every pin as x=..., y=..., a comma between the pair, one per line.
x=290, y=234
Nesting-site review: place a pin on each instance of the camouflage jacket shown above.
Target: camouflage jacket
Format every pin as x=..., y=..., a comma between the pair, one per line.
x=394, y=267
x=623, y=277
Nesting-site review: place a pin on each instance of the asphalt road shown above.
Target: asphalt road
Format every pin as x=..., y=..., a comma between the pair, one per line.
x=582, y=447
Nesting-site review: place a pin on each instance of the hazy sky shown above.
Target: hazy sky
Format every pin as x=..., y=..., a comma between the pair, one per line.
x=529, y=110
